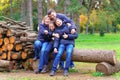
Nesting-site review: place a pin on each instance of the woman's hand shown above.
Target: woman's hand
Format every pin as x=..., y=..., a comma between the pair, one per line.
x=46, y=32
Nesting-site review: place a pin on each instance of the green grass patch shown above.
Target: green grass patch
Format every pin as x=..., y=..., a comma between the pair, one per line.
x=98, y=74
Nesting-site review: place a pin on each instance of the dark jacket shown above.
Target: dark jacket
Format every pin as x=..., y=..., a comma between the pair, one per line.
x=41, y=35
x=71, y=37
x=65, y=19
x=60, y=30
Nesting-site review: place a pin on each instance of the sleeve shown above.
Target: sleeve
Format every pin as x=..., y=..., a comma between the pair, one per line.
x=41, y=29
x=68, y=20
x=72, y=36
x=56, y=42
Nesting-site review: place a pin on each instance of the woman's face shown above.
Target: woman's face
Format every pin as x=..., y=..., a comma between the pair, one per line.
x=51, y=26
x=58, y=22
x=47, y=20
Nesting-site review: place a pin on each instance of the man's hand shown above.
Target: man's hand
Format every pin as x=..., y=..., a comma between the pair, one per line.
x=65, y=35
x=69, y=24
x=73, y=31
x=55, y=50
x=45, y=31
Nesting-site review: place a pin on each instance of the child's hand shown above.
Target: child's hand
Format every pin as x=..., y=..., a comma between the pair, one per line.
x=73, y=31
x=57, y=35
x=69, y=24
x=52, y=38
x=55, y=50
x=45, y=31
x=65, y=36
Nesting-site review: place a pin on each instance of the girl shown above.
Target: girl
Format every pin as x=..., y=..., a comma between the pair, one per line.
x=66, y=43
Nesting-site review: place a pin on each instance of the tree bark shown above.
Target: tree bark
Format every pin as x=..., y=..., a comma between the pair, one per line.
x=39, y=8
x=108, y=69
x=30, y=14
x=23, y=10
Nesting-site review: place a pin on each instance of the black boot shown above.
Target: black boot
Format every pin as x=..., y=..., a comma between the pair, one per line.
x=37, y=71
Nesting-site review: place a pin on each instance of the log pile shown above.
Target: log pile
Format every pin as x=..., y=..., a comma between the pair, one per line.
x=16, y=42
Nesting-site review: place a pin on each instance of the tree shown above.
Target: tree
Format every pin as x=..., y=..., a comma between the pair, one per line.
x=39, y=8
x=30, y=14
x=23, y=10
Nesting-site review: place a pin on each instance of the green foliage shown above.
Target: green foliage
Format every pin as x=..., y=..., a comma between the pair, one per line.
x=98, y=74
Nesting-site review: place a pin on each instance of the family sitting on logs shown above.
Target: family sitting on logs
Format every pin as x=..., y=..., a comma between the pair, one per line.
x=57, y=33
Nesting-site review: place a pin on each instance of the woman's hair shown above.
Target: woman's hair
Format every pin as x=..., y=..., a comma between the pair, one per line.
x=44, y=18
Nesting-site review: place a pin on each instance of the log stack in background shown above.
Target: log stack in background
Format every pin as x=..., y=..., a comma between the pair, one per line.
x=16, y=43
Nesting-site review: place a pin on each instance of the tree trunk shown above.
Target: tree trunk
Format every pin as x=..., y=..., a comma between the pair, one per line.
x=30, y=14
x=23, y=10
x=93, y=56
x=11, y=9
x=39, y=8
x=108, y=69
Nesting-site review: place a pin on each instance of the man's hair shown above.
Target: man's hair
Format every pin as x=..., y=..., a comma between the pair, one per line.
x=50, y=11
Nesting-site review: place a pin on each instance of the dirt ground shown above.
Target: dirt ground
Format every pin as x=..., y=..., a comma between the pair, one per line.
x=84, y=72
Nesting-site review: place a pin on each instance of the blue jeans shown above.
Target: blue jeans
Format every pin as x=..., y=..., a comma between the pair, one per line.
x=61, y=64
x=48, y=49
x=37, y=47
x=42, y=53
x=69, y=50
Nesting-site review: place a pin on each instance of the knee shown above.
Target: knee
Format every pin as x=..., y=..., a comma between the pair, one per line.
x=37, y=43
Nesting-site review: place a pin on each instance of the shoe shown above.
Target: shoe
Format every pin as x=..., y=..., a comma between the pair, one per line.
x=66, y=73
x=52, y=73
x=45, y=69
x=37, y=71
x=35, y=58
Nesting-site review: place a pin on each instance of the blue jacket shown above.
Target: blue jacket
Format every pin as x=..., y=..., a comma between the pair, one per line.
x=65, y=19
x=60, y=30
x=71, y=37
x=41, y=35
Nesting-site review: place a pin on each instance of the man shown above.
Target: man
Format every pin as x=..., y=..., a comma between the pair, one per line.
x=53, y=15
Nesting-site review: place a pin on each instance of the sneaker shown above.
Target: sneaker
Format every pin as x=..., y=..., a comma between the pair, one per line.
x=37, y=71
x=35, y=58
x=52, y=73
x=45, y=69
x=66, y=73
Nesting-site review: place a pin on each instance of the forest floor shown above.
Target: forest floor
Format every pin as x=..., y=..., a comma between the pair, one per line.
x=83, y=72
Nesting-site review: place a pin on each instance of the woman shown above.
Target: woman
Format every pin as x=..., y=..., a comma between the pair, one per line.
x=41, y=42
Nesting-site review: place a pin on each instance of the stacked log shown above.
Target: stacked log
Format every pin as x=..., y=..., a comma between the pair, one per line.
x=16, y=42
x=108, y=69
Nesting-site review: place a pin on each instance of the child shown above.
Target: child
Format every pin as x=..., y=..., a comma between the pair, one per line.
x=66, y=43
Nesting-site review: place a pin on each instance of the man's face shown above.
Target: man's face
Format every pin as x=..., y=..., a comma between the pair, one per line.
x=52, y=15
x=58, y=22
